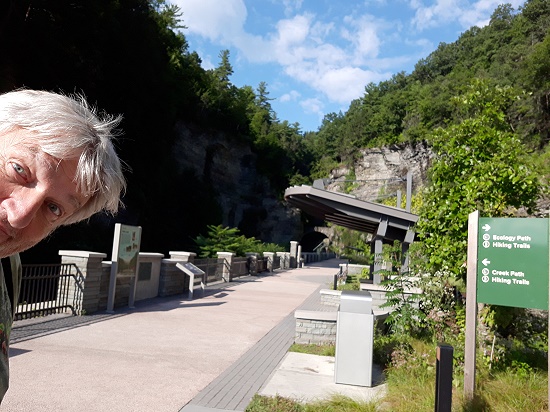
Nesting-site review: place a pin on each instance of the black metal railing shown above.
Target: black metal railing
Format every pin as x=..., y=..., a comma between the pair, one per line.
x=212, y=268
x=240, y=266
x=340, y=277
x=50, y=289
x=262, y=265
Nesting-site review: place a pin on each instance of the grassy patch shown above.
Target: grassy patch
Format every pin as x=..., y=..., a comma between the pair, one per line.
x=509, y=391
x=312, y=349
x=273, y=404
x=411, y=385
x=410, y=380
x=336, y=403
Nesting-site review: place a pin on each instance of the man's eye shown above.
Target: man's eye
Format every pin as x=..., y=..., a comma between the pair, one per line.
x=54, y=209
x=18, y=169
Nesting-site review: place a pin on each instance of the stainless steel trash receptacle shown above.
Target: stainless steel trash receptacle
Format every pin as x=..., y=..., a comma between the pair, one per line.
x=354, y=339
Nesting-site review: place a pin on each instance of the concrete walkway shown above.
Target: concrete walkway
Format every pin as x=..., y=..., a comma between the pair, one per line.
x=167, y=354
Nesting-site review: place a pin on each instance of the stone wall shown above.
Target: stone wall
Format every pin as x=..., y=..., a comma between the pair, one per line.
x=314, y=327
x=172, y=281
x=330, y=297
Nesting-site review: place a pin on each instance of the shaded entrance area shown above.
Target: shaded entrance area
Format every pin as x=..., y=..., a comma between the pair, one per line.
x=386, y=224
x=313, y=241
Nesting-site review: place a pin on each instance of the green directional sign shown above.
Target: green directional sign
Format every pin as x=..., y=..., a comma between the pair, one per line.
x=512, y=262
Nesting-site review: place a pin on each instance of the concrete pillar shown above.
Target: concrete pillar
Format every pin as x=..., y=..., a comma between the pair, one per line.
x=270, y=260
x=228, y=260
x=293, y=254
x=378, y=264
x=299, y=260
x=183, y=256
x=87, y=280
x=376, y=248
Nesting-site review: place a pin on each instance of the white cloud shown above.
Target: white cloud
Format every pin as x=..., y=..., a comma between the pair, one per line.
x=208, y=19
x=363, y=36
x=347, y=83
x=466, y=13
x=207, y=63
x=335, y=58
x=293, y=95
x=291, y=6
x=479, y=14
x=313, y=106
x=292, y=32
x=440, y=12
x=223, y=24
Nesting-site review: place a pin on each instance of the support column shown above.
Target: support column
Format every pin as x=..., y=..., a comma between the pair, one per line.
x=377, y=267
x=409, y=238
x=228, y=260
x=377, y=243
x=293, y=253
x=409, y=192
x=270, y=257
x=299, y=256
x=86, y=284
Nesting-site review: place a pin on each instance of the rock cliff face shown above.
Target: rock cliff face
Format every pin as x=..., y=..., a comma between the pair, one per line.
x=381, y=172
x=228, y=167
x=246, y=199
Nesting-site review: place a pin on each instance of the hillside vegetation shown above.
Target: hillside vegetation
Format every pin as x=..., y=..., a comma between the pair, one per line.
x=512, y=51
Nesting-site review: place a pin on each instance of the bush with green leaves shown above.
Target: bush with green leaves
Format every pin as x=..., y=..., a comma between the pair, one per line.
x=226, y=239
x=405, y=315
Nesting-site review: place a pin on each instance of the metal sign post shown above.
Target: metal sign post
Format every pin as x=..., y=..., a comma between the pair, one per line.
x=471, y=309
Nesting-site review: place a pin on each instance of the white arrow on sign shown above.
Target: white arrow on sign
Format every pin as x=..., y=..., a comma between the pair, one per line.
x=486, y=227
x=486, y=262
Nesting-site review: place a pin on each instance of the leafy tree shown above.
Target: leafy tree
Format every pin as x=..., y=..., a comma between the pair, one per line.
x=219, y=239
x=226, y=239
x=479, y=165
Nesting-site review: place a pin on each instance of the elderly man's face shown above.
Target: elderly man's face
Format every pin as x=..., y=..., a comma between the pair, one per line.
x=37, y=192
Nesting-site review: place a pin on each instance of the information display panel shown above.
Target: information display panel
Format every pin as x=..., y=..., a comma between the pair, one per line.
x=512, y=262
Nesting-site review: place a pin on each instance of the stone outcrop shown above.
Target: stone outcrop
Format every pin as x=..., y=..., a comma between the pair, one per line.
x=380, y=172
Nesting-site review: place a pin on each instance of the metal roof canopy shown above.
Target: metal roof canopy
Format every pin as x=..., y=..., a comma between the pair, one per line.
x=389, y=223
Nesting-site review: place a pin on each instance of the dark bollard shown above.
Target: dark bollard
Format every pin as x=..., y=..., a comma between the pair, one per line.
x=335, y=282
x=444, y=378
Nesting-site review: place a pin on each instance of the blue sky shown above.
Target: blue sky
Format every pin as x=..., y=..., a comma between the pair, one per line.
x=316, y=56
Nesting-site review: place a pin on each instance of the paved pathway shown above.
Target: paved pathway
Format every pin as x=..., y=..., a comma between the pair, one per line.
x=234, y=388
x=168, y=354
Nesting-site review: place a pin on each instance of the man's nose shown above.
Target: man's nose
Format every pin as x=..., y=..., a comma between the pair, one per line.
x=22, y=209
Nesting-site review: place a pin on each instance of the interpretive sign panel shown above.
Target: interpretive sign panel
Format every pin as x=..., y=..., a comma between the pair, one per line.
x=512, y=262
x=126, y=244
x=191, y=269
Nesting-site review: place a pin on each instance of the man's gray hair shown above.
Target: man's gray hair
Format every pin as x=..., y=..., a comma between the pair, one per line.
x=66, y=127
